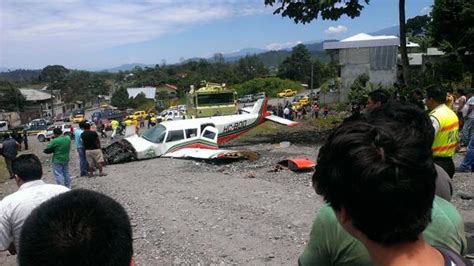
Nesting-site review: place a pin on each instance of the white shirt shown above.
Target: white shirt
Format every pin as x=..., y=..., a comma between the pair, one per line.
x=469, y=103
x=15, y=208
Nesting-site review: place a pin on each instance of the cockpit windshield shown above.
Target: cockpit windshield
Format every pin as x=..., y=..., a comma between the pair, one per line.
x=155, y=134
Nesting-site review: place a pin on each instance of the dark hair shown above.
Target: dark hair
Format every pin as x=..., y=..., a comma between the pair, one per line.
x=57, y=131
x=82, y=124
x=79, y=227
x=380, y=170
x=27, y=167
x=461, y=92
x=379, y=96
x=436, y=93
x=6, y=135
x=87, y=126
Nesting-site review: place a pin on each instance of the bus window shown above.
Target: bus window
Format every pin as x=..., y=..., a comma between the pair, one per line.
x=213, y=99
x=175, y=135
x=191, y=132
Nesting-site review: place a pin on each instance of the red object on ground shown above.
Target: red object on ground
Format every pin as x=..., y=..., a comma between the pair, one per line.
x=298, y=163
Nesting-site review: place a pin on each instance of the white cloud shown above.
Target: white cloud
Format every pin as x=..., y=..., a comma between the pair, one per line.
x=336, y=30
x=281, y=46
x=73, y=25
x=425, y=10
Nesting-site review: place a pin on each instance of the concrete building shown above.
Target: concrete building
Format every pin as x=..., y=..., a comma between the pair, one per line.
x=363, y=53
x=40, y=103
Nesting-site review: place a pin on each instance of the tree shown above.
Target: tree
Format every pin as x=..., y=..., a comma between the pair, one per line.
x=120, y=98
x=10, y=98
x=452, y=31
x=297, y=66
x=307, y=11
x=53, y=73
x=418, y=25
x=250, y=67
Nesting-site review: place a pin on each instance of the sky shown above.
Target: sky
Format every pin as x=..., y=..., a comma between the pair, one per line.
x=99, y=34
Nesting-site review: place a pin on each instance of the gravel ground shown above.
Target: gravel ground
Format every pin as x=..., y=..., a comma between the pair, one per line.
x=190, y=212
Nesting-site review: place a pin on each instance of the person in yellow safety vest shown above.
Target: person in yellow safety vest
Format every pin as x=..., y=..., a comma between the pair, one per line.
x=446, y=127
x=114, y=124
x=153, y=121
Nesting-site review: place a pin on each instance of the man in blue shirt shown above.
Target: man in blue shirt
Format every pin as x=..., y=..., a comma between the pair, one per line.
x=80, y=148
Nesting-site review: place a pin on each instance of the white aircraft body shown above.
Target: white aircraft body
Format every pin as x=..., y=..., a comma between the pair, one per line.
x=192, y=138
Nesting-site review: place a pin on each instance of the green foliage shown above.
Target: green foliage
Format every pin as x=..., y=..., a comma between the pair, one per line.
x=452, y=31
x=249, y=67
x=418, y=25
x=307, y=11
x=297, y=66
x=120, y=99
x=10, y=97
x=53, y=73
x=271, y=86
x=359, y=89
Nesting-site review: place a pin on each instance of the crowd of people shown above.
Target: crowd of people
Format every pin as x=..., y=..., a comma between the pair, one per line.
x=384, y=175
x=288, y=111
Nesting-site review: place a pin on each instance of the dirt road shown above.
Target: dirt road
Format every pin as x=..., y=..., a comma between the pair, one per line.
x=190, y=212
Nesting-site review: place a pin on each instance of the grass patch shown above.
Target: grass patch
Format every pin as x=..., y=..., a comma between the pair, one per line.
x=3, y=170
x=321, y=122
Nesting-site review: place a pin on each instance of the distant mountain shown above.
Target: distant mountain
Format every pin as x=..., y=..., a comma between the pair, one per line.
x=22, y=75
x=6, y=69
x=126, y=67
x=387, y=31
x=271, y=58
x=244, y=52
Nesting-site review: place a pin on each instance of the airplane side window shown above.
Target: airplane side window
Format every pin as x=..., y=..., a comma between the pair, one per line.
x=209, y=134
x=175, y=135
x=191, y=132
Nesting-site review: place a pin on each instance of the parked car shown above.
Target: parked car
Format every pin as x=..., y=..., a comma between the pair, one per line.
x=47, y=134
x=108, y=114
x=171, y=114
x=287, y=93
x=78, y=118
x=260, y=95
x=246, y=99
x=37, y=124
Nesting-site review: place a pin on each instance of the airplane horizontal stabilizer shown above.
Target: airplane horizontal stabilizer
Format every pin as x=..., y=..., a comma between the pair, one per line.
x=281, y=120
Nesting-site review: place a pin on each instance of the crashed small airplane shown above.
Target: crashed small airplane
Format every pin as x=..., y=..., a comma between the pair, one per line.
x=192, y=138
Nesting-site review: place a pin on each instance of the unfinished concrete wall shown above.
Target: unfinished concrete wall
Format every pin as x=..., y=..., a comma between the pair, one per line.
x=357, y=61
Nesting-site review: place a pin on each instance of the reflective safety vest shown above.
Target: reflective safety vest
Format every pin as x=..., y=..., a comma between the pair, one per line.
x=114, y=124
x=446, y=139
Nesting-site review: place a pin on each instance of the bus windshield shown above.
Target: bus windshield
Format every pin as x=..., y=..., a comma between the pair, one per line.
x=155, y=134
x=215, y=99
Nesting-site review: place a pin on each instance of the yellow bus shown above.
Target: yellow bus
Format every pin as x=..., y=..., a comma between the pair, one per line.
x=211, y=100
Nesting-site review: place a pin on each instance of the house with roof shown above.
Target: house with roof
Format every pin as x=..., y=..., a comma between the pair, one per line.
x=172, y=90
x=148, y=91
x=363, y=53
x=42, y=102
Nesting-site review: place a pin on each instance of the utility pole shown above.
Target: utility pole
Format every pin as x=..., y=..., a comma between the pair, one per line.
x=52, y=102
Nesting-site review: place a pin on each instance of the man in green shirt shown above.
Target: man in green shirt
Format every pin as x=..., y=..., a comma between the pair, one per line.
x=330, y=244
x=59, y=147
x=378, y=178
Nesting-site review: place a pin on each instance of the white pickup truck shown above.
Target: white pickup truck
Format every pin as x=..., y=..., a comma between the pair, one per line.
x=47, y=135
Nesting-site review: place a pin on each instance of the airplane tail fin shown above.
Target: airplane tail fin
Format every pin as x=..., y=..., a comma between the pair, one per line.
x=260, y=106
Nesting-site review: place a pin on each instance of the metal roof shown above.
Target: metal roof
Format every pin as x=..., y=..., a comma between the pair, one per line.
x=363, y=40
x=34, y=95
x=149, y=92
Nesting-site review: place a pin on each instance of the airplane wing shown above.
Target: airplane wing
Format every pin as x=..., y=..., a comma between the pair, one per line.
x=281, y=120
x=212, y=154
